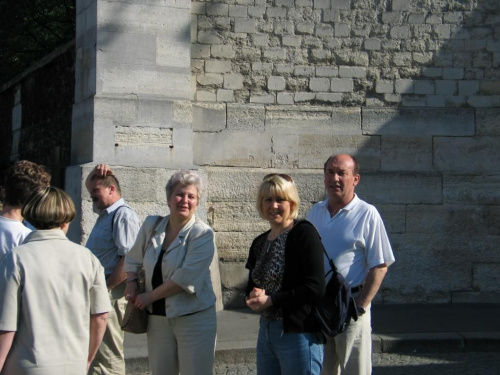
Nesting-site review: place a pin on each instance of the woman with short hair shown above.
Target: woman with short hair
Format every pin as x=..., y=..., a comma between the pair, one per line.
x=286, y=278
x=179, y=296
x=53, y=298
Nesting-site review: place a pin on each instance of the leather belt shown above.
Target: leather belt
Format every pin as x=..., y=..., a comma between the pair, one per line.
x=357, y=289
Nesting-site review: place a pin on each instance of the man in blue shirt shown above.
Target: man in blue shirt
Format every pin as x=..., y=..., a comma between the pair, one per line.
x=113, y=235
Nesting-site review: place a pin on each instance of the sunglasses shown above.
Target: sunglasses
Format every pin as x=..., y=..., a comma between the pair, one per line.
x=282, y=175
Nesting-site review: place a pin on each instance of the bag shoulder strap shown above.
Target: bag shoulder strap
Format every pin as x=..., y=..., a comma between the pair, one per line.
x=114, y=216
x=153, y=232
x=330, y=261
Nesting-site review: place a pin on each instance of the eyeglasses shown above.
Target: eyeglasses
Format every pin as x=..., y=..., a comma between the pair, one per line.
x=282, y=175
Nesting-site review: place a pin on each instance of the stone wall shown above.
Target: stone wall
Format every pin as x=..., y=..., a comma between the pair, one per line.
x=412, y=88
x=347, y=52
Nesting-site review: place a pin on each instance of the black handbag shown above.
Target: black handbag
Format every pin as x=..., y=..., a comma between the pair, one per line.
x=337, y=307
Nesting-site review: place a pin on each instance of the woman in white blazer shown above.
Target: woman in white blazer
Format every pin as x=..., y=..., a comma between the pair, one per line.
x=179, y=296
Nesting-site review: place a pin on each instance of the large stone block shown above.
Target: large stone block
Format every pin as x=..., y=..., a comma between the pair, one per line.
x=143, y=19
x=418, y=122
x=486, y=277
x=209, y=117
x=242, y=149
x=471, y=154
x=141, y=146
x=230, y=185
x=173, y=50
x=126, y=48
x=235, y=216
x=234, y=246
x=494, y=220
x=121, y=111
x=298, y=120
x=152, y=147
x=285, y=151
x=346, y=121
x=246, y=117
x=82, y=137
x=394, y=217
x=471, y=189
x=440, y=264
x=446, y=219
x=405, y=188
x=488, y=121
x=406, y=153
x=233, y=275
x=314, y=150
x=155, y=113
x=155, y=81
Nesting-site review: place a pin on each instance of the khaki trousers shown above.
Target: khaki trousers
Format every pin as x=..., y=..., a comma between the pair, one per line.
x=350, y=353
x=184, y=344
x=109, y=359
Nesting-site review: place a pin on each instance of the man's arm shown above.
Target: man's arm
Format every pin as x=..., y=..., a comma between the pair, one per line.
x=118, y=275
x=98, y=324
x=6, y=339
x=372, y=284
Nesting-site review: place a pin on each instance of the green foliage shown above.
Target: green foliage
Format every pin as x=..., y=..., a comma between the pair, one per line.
x=30, y=29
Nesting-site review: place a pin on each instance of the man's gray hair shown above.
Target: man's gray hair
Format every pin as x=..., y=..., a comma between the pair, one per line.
x=184, y=178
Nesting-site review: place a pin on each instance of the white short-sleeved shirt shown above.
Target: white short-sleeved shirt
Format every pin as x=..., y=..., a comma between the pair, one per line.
x=355, y=238
x=12, y=234
x=49, y=286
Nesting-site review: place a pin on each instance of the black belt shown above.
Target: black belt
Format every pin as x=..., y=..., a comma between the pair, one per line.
x=357, y=289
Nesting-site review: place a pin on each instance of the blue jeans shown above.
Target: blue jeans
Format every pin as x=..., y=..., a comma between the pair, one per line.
x=287, y=353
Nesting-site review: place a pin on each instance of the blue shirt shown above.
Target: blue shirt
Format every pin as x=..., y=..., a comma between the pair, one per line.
x=114, y=234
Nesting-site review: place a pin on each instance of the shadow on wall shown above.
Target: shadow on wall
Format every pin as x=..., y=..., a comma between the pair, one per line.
x=438, y=177
x=429, y=155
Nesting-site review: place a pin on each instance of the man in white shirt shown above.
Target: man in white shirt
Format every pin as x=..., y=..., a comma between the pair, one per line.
x=21, y=180
x=354, y=236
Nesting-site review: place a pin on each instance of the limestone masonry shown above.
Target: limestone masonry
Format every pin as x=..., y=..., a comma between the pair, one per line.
x=239, y=88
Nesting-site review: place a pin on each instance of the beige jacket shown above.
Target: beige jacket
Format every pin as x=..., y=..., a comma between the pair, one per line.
x=186, y=262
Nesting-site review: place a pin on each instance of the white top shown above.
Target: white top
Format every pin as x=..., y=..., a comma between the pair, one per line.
x=12, y=234
x=49, y=286
x=355, y=238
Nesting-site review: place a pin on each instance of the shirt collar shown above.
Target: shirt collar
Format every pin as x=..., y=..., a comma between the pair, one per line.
x=350, y=206
x=46, y=234
x=114, y=206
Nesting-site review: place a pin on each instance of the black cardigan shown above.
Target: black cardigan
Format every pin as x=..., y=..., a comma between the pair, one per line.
x=303, y=278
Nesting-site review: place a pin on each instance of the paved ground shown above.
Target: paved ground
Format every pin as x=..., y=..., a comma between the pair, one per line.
x=407, y=364
x=460, y=339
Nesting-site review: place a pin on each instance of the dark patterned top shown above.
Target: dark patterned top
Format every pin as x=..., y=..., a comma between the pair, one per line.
x=268, y=271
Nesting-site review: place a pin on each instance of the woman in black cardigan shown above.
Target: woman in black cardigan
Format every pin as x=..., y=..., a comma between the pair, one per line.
x=286, y=278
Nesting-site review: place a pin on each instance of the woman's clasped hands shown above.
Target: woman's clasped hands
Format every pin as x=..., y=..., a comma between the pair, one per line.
x=141, y=301
x=257, y=300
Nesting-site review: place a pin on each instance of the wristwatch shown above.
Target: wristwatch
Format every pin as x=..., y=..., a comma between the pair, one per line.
x=361, y=310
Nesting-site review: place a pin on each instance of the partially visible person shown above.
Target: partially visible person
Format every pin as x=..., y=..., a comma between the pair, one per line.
x=354, y=236
x=112, y=237
x=53, y=298
x=182, y=323
x=286, y=278
x=21, y=180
